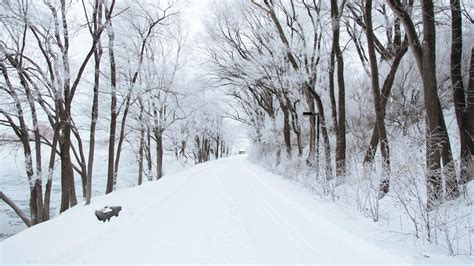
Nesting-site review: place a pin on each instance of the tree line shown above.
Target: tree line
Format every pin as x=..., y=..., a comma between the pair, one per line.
x=278, y=58
x=74, y=72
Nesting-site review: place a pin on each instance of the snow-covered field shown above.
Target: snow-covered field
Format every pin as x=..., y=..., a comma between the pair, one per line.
x=226, y=211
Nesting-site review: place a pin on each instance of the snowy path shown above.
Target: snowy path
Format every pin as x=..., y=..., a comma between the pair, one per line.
x=227, y=211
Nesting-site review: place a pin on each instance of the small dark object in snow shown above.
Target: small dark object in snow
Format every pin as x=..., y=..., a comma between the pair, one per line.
x=107, y=212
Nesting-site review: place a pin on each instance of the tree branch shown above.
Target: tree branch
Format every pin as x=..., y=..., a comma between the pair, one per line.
x=15, y=207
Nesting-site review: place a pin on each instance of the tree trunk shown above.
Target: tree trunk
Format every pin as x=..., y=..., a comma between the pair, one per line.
x=38, y=186
x=379, y=110
x=22, y=132
x=341, y=130
x=49, y=182
x=449, y=169
x=386, y=91
x=80, y=157
x=470, y=109
x=436, y=133
x=68, y=198
x=217, y=147
x=121, y=139
x=148, y=155
x=95, y=108
x=142, y=143
x=159, y=153
x=286, y=125
x=208, y=149
x=36, y=199
x=222, y=149
x=312, y=129
x=295, y=125
x=203, y=149
x=17, y=209
x=113, y=107
x=176, y=152
x=198, y=146
x=286, y=130
x=462, y=115
x=34, y=176
x=470, y=119
x=332, y=97
x=182, y=150
x=324, y=131
x=299, y=143
x=36, y=195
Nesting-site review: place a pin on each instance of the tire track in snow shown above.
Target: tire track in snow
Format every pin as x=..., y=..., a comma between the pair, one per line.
x=270, y=223
x=234, y=232
x=278, y=218
x=354, y=246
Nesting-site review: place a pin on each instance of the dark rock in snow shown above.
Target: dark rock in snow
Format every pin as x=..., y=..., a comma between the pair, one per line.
x=107, y=212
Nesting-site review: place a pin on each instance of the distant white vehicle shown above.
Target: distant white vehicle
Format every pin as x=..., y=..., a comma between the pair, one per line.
x=242, y=151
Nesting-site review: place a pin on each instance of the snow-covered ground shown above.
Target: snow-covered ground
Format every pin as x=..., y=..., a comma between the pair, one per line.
x=226, y=211
x=14, y=183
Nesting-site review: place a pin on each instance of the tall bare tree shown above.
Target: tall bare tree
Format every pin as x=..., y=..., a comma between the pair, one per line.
x=146, y=23
x=94, y=26
x=438, y=148
x=379, y=109
x=336, y=13
x=461, y=102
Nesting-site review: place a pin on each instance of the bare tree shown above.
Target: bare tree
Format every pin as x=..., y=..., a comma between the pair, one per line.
x=308, y=63
x=425, y=55
x=145, y=26
x=96, y=24
x=461, y=103
x=379, y=111
x=336, y=13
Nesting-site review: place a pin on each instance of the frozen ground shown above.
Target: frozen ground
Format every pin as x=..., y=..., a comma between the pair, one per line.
x=226, y=211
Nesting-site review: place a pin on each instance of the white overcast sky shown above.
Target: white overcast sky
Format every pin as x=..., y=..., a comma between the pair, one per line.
x=194, y=15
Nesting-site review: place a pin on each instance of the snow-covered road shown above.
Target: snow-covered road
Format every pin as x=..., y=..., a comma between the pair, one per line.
x=226, y=211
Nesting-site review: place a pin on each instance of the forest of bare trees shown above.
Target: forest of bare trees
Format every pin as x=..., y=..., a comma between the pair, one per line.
x=75, y=72
x=373, y=76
